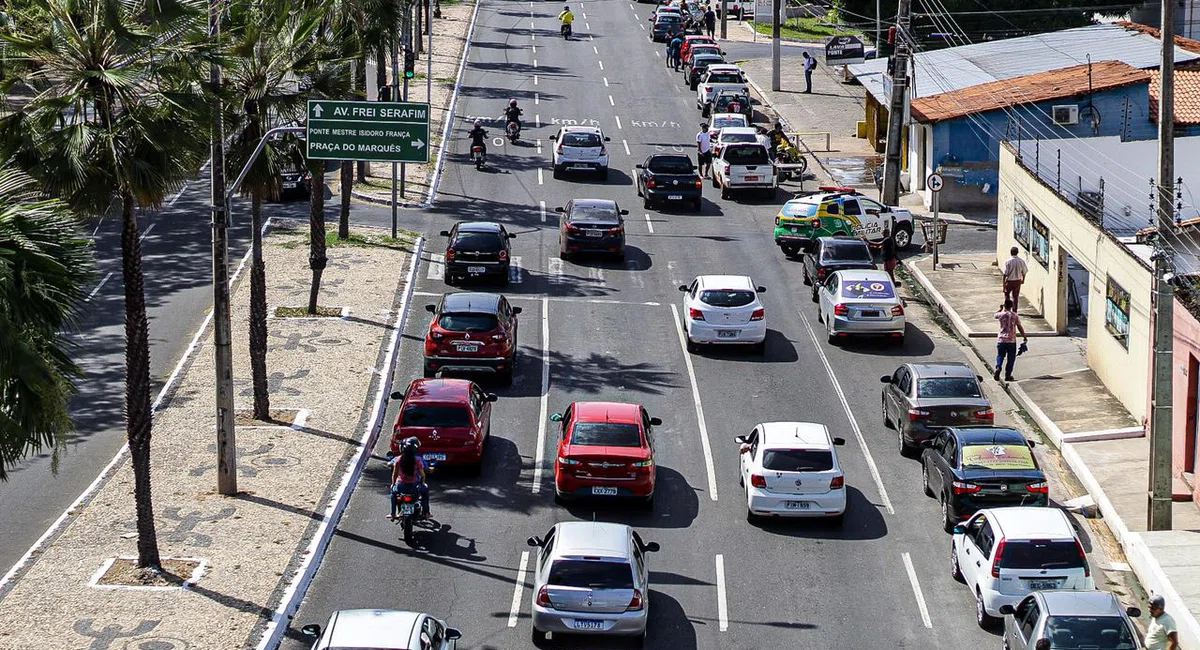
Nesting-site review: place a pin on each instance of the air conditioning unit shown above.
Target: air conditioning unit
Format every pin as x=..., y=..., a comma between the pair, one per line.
x=1065, y=115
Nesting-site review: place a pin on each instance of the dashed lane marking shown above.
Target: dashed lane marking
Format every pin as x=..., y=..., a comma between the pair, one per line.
x=539, y=175
x=691, y=371
x=560, y=299
x=626, y=144
x=618, y=121
x=518, y=590
x=722, y=605
x=610, y=101
x=542, y=205
x=601, y=63
x=540, y=454
x=917, y=593
x=437, y=267
x=649, y=224
x=606, y=82
x=99, y=285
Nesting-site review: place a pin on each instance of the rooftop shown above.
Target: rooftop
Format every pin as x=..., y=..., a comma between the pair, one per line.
x=1187, y=96
x=1191, y=45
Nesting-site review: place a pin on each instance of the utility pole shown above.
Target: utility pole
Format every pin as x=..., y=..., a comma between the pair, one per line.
x=428, y=54
x=407, y=36
x=775, y=11
x=878, y=18
x=222, y=335
x=1159, y=513
x=724, y=18
x=892, y=154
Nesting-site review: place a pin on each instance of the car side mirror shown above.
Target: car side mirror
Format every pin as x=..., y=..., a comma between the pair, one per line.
x=1042, y=644
x=1007, y=609
x=445, y=233
x=534, y=541
x=624, y=212
x=760, y=289
x=491, y=397
x=453, y=634
x=431, y=309
x=839, y=442
x=517, y=310
x=651, y=547
x=312, y=629
x=607, y=139
x=556, y=417
x=560, y=209
x=399, y=394
x=978, y=377
x=683, y=288
x=1133, y=612
x=554, y=137
x=656, y=422
x=512, y=235
x=741, y=440
x=1031, y=443
x=639, y=166
x=959, y=530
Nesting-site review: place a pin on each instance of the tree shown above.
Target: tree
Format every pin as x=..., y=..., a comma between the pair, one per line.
x=117, y=113
x=44, y=263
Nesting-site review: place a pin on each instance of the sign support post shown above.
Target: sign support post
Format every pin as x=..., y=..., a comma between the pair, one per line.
x=934, y=183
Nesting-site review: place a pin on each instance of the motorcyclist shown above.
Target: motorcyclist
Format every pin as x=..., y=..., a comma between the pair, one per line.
x=778, y=137
x=566, y=17
x=478, y=136
x=512, y=114
x=408, y=474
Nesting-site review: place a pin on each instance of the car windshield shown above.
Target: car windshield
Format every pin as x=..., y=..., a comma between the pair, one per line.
x=948, y=387
x=575, y=139
x=438, y=416
x=468, y=322
x=606, y=434
x=724, y=100
x=798, y=460
x=729, y=120
x=1078, y=632
x=746, y=155
x=590, y=574
x=846, y=251
x=868, y=289
x=724, y=78
x=667, y=18
x=705, y=49
x=738, y=137
x=1041, y=554
x=671, y=165
x=799, y=209
x=594, y=213
x=486, y=242
x=997, y=457
x=727, y=297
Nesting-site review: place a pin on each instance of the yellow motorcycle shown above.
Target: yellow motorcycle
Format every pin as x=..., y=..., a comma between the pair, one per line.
x=790, y=162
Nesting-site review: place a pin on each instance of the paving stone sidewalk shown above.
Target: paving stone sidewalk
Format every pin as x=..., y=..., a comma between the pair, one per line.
x=327, y=370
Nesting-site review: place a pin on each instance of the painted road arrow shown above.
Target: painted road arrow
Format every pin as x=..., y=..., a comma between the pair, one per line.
x=375, y=131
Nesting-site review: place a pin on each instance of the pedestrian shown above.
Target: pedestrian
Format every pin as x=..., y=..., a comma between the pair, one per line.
x=710, y=22
x=1014, y=276
x=810, y=64
x=1161, y=634
x=1006, y=340
x=890, y=257
x=673, y=51
x=704, y=150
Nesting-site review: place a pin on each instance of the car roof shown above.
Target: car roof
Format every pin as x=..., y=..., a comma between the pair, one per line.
x=739, y=130
x=1068, y=602
x=478, y=226
x=371, y=628
x=582, y=129
x=592, y=538
x=941, y=370
x=594, y=203
x=822, y=197
x=725, y=282
x=731, y=115
x=725, y=67
x=776, y=435
x=471, y=302
x=707, y=56
x=438, y=390
x=977, y=435
x=672, y=156
x=863, y=275
x=607, y=412
x=1029, y=522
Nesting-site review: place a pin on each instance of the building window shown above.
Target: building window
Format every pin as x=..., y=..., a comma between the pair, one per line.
x=1039, y=242
x=1021, y=224
x=1116, y=312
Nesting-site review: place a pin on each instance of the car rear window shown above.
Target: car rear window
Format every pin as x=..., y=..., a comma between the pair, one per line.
x=607, y=434
x=594, y=213
x=798, y=209
x=1078, y=632
x=798, y=460
x=868, y=290
x=486, y=242
x=746, y=155
x=1041, y=554
x=667, y=18
x=468, y=322
x=724, y=78
x=444, y=416
x=671, y=165
x=722, y=122
x=590, y=574
x=999, y=457
x=739, y=137
x=948, y=387
x=727, y=297
x=580, y=140
x=849, y=251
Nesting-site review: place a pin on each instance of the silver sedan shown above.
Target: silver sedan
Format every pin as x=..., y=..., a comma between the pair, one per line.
x=860, y=302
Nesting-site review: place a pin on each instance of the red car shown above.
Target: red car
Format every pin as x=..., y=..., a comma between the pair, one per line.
x=605, y=449
x=451, y=418
x=472, y=332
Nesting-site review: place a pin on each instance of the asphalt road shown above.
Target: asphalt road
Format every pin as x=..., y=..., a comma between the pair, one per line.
x=607, y=331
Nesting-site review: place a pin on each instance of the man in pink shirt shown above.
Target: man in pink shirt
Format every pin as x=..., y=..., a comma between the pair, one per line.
x=1006, y=339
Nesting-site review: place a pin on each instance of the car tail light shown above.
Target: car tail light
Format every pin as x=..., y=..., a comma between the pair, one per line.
x=543, y=598
x=603, y=151
x=1087, y=569
x=643, y=463
x=499, y=337
x=708, y=89
x=1041, y=487
x=573, y=228
x=560, y=149
x=431, y=346
x=996, y=562
x=897, y=310
x=841, y=310
x=917, y=414
x=838, y=482
x=651, y=183
x=695, y=314
x=619, y=230
x=699, y=183
x=758, y=481
x=449, y=253
x=503, y=255
x=821, y=274
x=758, y=314
x=567, y=461
x=962, y=487
x=985, y=414
x=636, y=603
x=435, y=335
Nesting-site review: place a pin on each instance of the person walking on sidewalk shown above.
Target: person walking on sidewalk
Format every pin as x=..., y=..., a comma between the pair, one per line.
x=810, y=64
x=1014, y=276
x=1161, y=634
x=704, y=150
x=710, y=22
x=1006, y=340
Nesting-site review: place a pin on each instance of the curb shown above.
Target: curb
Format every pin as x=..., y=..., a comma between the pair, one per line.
x=294, y=592
x=965, y=222
x=462, y=64
x=371, y=198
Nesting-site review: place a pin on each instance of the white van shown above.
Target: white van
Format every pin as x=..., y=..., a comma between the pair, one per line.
x=744, y=166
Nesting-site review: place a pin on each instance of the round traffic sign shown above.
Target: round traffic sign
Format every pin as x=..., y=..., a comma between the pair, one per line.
x=934, y=182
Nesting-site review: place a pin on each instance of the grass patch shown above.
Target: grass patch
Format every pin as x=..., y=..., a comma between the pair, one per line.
x=806, y=29
x=302, y=312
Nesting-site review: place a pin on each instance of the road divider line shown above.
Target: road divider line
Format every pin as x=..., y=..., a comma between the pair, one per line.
x=537, y=99
x=606, y=82
x=595, y=49
x=539, y=175
x=704, y=444
x=539, y=455
x=601, y=63
x=575, y=301
x=656, y=53
x=534, y=48
x=542, y=205
x=537, y=121
x=146, y=232
x=531, y=25
x=649, y=224
x=610, y=101
x=535, y=80
x=625, y=143
x=518, y=590
x=618, y=121
x=643, y=27
x=588, y=26
x=862, y=442
x=722, y=606
x=99, y=286
x=535, y=63
x=539, y=146
x=917, y=593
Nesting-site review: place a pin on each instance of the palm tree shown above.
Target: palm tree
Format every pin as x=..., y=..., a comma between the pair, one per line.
x=117, y=114
x=44, y=263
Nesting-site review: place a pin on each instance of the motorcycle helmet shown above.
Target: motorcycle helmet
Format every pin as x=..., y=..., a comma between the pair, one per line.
x=478, y=123
x=567, y=8
x=412, y=443
x=512, y=102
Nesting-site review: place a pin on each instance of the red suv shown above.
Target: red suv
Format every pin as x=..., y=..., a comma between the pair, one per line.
x=472, y=332
x=451, y=418
x=605, y=449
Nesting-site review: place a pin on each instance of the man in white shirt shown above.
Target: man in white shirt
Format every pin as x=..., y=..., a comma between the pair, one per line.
x=1014, y=276
x=1161, y=633
x=704, y=147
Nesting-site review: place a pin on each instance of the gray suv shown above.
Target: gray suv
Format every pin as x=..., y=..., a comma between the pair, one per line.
x=591, y=578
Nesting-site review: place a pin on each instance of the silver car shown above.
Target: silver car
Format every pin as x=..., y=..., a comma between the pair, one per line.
x=385, y=629
x=591, y=578
x=861, y=301
x=1070, y=619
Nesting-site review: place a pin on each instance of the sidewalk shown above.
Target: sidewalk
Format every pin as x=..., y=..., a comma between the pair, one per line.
x=1099, y=440
x=235, y=566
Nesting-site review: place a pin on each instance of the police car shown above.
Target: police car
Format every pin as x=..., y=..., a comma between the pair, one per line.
x=838, y=211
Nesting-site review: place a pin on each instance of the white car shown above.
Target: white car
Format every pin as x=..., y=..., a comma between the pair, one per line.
x=724, y=309
x=860, y=301
x=791, y=469
x=719, y=121
x=736, y=135
x=718, y=77
x=744, y=167
x=580, y=148
x=1004, y=554
x=382, y=628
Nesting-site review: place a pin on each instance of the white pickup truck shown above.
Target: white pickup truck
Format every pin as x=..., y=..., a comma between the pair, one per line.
x=719, y=77
x=744, y=166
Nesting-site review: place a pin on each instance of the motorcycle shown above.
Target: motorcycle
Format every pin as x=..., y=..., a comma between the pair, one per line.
x=408, y=504
x=513, y=130
x=477, y=156
x=566, y=31
x=790, y=162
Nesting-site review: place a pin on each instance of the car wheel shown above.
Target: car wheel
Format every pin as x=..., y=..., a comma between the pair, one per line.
x=898, y=341
x=887, y=420
x=697, y=205
x=692, y=346
x=790, y=252
x=955, y=570
x=557, y=174
x=648, y=502
x=604, y=173
x=831, y=335
x=814, y=292
x=620, y=257
x=539, y=637
x=724, y=192
x=837, y=521
x=506, y=377
x=925, y=480
x=638, y=186
x=902, y=237
x=906, y=450
x=706, y=110
x=985, y=620
x=638, y=642
x=947, y=516
x=646, y=202
x=430, y=374
x=820, y=316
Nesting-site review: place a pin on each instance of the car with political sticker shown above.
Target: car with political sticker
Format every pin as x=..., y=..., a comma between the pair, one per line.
x=838, y=211
x=860, y=302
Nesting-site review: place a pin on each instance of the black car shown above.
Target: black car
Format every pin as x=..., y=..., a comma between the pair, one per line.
x=294, y=184
x=668, y=178
x=697, y=66
x=665, y=27
x=591, y=226
x=971, y=468
x=920, y=399
x=477, y=250
x=829, y=254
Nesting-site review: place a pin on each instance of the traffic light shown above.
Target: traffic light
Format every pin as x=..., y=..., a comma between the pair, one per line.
x=410, y=64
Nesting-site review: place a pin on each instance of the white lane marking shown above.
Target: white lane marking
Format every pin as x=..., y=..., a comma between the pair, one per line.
x=535, y=80
x=542, y=207
x=171, y=203
x=606, y=82
x=589, y=27
x=574, y=301
x=534, y=47
x=540, y=454
x=635, y=277
x=535, y=63
x=643, y=27
x=722, y=606
x=539, y=175
x=596, y=273
x=514, y=270
x=437, y=266
x=704, y=444
x=595, y=49
x=101, y=222
x=657, y=54
x=539, y=146
x=532, y=37
x=862, y=442
x=917, y=593
x=592, y=38
x=518, y=590
x=583, y=14
x=601, y=64
x=649, y=224
x=99, y=286
x=146, y=232
x=537, y=121
x=618, y=121
x=531, y=25
x=610, y=101
x=673, y=273
x=537, y=99
x=626, y=143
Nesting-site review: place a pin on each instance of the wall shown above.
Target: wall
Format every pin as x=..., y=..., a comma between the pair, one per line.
x=1187, y=348
x=1124, y=369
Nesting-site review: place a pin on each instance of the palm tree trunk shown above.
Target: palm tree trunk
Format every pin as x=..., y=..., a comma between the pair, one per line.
x=258, y=310
x=360, y=82
x=316, y=231
x=381, y=65
x=347, y=185
x=137, y=382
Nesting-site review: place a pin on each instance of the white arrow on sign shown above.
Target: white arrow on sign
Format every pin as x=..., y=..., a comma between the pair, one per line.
x=317, y=110
x=934, y=182
x=418, y=144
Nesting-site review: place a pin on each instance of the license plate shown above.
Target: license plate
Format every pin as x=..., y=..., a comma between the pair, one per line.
x=476, y=269
x=1038, y=585
x=727, y=334
x=588, y=625
x=407, y=508
x=595, y=233
x=674, y=197
x=870, y=314
x=796, y=505
x=437, y=457
x=466, y=347
x=751, y=178
x=604, y=491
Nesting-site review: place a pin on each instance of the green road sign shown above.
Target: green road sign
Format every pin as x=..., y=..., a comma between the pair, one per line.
x=379, y=131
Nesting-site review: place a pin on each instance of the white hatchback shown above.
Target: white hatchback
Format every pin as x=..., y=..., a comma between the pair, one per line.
x=580, y=148
x=724, y=309
x=791, y=469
